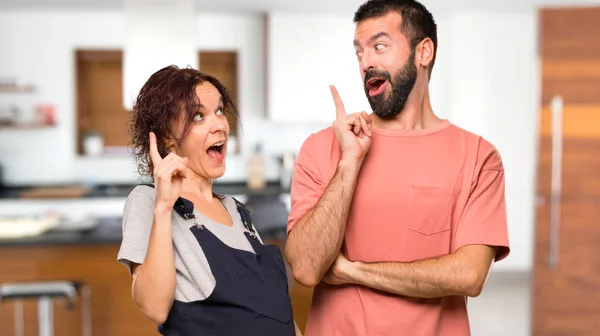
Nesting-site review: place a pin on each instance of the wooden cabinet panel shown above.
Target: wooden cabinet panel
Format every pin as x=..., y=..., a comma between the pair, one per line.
x=223, y=66
x=113, y=312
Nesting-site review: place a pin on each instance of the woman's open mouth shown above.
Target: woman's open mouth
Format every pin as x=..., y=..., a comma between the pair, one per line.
x=376, y=86
x=217, y=152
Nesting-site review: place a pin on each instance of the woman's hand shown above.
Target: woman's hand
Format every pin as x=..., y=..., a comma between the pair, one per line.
x=168, y=175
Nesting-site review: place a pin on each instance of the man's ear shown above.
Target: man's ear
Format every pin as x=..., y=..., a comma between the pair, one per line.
x=425, y=52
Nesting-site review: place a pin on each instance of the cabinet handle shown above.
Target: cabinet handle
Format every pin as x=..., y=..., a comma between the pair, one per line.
x=556, y=106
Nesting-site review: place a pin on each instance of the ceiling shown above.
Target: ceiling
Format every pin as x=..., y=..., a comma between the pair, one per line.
x=303, y=5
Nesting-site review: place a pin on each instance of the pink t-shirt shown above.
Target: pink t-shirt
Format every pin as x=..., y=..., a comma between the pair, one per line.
x=419, y=194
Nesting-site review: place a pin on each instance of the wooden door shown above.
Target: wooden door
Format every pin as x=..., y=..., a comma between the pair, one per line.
x=566, y=293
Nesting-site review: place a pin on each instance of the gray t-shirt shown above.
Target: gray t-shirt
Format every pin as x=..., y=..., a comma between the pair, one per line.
x=194, y=279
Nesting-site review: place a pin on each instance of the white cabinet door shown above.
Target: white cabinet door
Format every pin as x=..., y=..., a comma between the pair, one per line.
x=306, y=54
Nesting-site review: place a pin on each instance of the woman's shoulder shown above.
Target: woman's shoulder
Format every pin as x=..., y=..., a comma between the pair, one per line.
x=143, y=189
x=236, y=206
x=142, y=195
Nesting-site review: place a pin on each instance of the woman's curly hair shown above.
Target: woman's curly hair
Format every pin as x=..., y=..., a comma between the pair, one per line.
x=167, y=94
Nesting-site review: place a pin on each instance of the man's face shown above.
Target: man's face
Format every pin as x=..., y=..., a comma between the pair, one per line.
x=387, y=64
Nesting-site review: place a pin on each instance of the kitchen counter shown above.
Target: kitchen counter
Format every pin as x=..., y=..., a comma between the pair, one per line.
x=122, y=190
x=108, y=231
x=90, y=256
x=113, y=312
x=106, y=202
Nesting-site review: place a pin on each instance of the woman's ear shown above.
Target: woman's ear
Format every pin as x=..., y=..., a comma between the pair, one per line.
x=172, y=145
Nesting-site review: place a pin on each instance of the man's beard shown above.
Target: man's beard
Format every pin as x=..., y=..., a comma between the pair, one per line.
x=402, y=84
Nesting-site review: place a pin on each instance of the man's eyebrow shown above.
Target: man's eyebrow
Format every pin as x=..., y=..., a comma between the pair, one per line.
x=373, y=38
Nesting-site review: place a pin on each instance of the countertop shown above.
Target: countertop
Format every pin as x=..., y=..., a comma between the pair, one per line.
x=108, y=230
x=122, y=190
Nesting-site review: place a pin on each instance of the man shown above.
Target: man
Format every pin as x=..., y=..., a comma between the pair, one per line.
x=397, y=216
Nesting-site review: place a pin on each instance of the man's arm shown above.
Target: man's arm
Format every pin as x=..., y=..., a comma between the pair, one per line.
x=481, y=238
x=461, y=273
x=316, y=239
x=315, y=242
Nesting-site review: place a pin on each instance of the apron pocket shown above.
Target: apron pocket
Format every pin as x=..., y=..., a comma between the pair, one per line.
x=268, y=292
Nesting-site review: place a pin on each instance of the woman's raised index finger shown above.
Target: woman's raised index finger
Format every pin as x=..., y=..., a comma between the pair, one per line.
x=154, y=154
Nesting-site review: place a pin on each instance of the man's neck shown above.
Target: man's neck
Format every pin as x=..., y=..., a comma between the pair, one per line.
x=416, y=114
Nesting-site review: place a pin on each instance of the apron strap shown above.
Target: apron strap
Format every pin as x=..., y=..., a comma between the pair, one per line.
x=185, y=209
x=245, y=215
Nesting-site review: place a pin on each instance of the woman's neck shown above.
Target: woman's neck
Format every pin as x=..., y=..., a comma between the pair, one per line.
x=197, y=185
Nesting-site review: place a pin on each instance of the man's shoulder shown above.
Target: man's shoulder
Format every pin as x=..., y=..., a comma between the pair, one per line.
x=319, y=143
x=325, y=135
x=487, y=154
x=469, y=136
x=319, y=153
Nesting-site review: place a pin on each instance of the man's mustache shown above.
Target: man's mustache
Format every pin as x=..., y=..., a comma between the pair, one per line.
x=377, y=74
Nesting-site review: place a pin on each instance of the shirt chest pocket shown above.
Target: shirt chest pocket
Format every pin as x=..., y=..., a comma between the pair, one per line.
x=429, y=209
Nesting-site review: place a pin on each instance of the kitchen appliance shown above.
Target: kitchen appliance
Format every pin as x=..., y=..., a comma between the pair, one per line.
x=256, y=170
x=1, y=177
x=286, y=168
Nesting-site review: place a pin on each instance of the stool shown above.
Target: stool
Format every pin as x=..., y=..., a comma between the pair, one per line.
x=45, y=292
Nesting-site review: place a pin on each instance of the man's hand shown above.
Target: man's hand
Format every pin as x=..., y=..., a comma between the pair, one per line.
x=353, y=131
x=338, y=273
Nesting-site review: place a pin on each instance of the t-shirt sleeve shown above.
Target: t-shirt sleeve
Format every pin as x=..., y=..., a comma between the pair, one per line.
x=484, y=219
x=138, y=216
x=307, y=183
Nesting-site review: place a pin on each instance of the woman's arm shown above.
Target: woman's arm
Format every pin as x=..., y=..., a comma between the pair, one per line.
x=153, y=287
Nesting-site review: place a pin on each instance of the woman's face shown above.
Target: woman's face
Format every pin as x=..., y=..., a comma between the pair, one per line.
x=205, y=145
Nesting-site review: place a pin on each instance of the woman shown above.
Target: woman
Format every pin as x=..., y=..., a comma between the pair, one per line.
x=198, y=264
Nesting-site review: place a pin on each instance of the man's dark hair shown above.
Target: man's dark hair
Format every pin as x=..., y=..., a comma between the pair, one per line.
x=417, y=21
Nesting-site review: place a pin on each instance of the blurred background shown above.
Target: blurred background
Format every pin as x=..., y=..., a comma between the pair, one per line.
x=525, y=74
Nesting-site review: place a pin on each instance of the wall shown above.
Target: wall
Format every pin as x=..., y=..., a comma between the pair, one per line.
x=485, y=80
x=38, y=46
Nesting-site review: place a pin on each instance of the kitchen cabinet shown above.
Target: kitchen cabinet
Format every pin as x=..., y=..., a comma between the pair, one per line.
x=113, y=312
x=91, y=259
x=305, y=54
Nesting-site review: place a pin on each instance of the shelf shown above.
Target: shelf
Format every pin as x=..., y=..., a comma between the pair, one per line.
x=25, y=126
x=5, y=88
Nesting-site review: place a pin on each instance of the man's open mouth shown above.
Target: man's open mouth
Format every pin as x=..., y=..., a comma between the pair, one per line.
x=376, y=85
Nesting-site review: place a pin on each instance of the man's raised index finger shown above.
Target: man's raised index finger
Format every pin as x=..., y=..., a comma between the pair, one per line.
x=340, y=111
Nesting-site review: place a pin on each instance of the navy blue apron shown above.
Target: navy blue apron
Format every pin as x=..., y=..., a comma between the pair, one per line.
x=251, y=294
